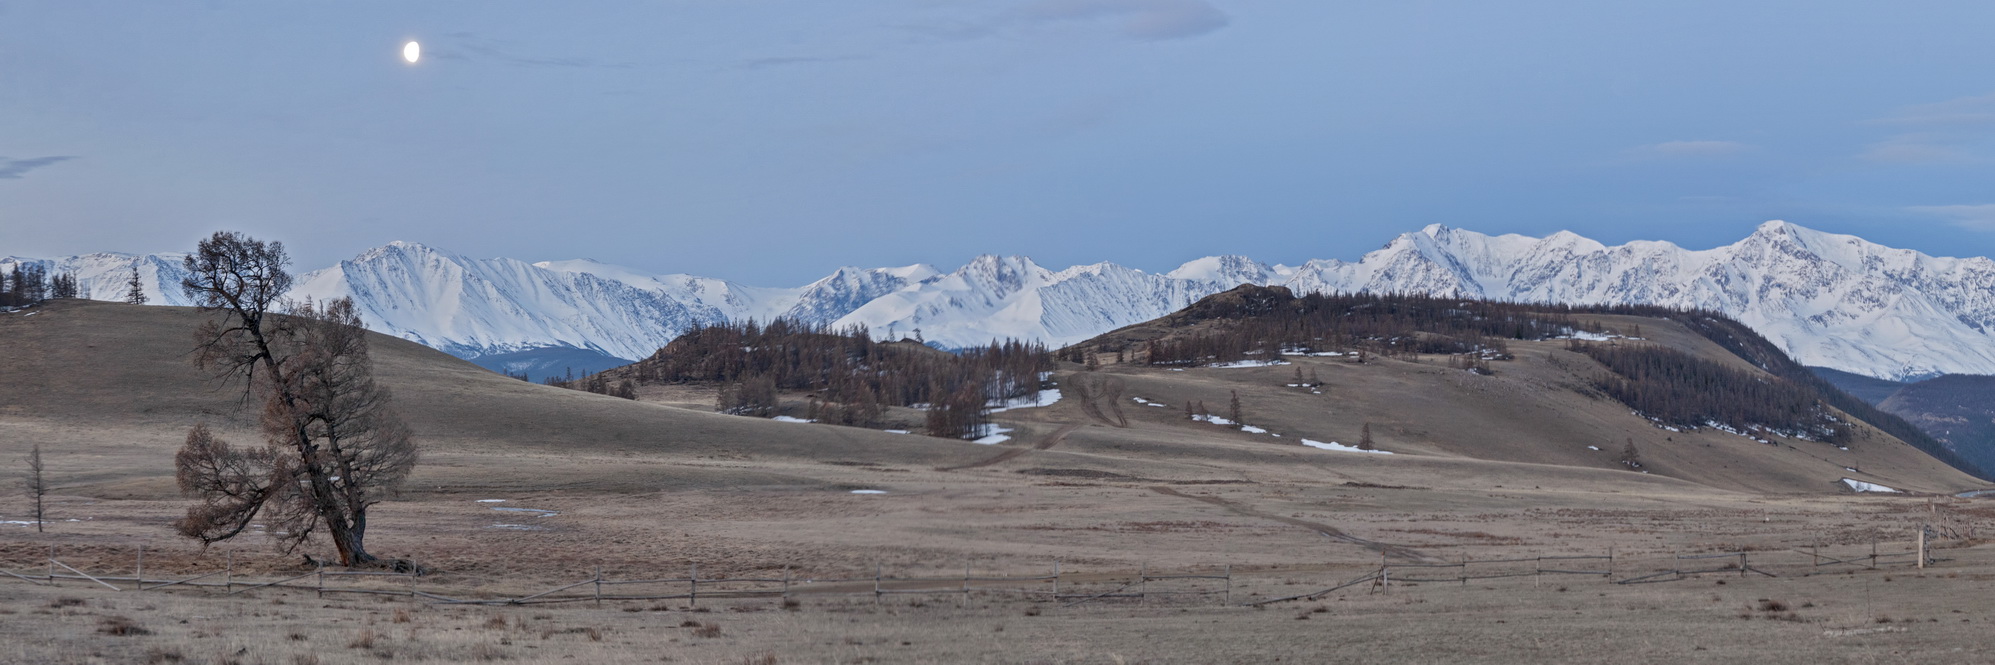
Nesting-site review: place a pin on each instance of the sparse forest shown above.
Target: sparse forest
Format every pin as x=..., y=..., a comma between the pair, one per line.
x=26, y=284
x=1680, y=389
x=847, y=375
x=1265, y=322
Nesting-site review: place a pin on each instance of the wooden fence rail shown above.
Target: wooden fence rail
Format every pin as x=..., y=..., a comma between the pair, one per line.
x=1141, y=586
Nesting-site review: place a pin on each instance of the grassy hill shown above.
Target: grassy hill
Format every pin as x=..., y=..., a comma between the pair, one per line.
x=1543, y=405
x=110, y=387
x=1485, y=467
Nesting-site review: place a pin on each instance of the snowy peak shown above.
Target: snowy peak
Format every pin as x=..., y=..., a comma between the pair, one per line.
x=1829, y=300
x=1232, y=270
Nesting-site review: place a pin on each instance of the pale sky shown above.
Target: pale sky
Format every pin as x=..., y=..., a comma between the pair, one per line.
x=770, y=141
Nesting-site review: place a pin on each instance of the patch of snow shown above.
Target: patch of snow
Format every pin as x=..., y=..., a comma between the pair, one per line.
x=789, y=419
x=896, y=431
x=1340, y=447
x=1585, y=336
x=1247, y=363
x=1593, y=448
x=869, y=491
x=1209, y=418
x=1250, y=429
x=990, y=434
x=536, y=511
x=517, y=527
x=1042, y=398
x=491, y=501
x=1861, y=486
x=20, y=522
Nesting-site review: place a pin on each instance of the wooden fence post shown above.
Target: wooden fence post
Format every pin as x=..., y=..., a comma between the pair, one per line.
x=693, y=590
x=1143, y=583
x=1610, y=562
x=876, y=582
x=1742, y=564
x=322, y=581
x=51, y=565
x=229, y=577
x=1383, y=576
x=1056, y=580
x=1229, y=584
x=1922, y=546
x=1815, y=555
x=966, y=585
x=140, y=572
x=786, y=581
x=1873, y=554
x=599, y=585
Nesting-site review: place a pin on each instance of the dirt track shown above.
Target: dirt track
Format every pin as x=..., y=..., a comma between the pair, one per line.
x=1051, y=440
x=1328, y=531
x=1091, y=388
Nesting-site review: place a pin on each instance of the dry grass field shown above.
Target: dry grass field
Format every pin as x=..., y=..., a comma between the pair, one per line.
x=1484, y=468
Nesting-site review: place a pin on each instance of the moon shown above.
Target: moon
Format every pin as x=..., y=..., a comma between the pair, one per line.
x=412, y=52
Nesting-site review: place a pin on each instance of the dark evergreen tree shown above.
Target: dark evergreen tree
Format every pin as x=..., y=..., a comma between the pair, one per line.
x=135, y=289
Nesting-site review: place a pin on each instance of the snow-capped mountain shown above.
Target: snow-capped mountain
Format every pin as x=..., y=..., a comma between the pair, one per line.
x=1831, y=300
x=107, y=275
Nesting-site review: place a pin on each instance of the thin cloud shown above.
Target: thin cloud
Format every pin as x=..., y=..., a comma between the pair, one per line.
x=1678, y=149
x=1963, y=111
x=1976, y=217
x=1145, y=20
x=1935, y=134
x=1139, y=20
x=13, y=169
x=469, y=46
x=1918, y=149
x=788, y=61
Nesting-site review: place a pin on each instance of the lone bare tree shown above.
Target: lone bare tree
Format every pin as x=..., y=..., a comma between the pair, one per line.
x=333, y=444
x=36, y=485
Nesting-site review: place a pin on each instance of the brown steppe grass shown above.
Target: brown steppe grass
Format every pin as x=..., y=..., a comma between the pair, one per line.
x=1486, y=468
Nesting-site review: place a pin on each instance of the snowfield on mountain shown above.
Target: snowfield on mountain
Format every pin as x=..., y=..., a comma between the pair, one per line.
x=1829, y=300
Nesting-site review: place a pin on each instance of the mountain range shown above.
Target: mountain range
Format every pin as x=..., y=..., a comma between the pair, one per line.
x=1829, y=300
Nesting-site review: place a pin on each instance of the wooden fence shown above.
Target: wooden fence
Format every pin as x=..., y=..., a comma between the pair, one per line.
x=691, y=588
x=1058, y=585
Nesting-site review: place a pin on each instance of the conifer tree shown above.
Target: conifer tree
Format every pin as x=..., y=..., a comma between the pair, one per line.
x=1233, y=412
x=1630, y=456
x=135, y=289
x=1365, y=437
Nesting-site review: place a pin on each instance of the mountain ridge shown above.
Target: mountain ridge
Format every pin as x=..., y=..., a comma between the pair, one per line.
x=1829, y=300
